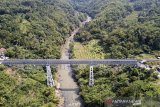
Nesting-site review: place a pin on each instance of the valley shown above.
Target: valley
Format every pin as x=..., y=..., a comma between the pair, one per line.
x=68, y=87
x=79, y=29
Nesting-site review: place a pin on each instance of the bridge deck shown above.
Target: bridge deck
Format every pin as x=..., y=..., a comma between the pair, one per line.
x=70, y=61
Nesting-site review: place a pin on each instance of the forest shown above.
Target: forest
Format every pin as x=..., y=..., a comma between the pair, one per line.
x=119, y=29
x=123, y=29
x=27, y=25
x=126, y=82
x=32, y=29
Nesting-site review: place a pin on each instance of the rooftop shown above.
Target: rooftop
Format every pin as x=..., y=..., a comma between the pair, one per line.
x=2, y=50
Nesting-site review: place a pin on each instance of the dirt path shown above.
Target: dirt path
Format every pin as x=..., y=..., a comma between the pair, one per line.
x=68, y=87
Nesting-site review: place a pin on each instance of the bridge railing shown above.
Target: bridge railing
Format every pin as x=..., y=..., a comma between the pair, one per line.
x=70, y=61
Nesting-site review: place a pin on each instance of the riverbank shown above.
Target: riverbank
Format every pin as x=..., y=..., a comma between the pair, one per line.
x=67, y=88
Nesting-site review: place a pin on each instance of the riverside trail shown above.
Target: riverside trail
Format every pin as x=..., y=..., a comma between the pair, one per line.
x=68, y=87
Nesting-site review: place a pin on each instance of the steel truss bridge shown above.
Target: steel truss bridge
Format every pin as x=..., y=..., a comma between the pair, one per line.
x=91, y=62
x=69, y=61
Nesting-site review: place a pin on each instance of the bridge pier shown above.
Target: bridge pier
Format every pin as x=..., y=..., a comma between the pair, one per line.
x=50, y=81
x=91, y=76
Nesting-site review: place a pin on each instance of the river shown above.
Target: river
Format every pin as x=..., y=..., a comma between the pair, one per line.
x=68, y=87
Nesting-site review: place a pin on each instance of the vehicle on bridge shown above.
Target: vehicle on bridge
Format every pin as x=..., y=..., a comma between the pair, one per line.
x=2, y=57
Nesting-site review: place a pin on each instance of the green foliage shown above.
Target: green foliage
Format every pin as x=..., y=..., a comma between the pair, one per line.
x=128, y=82
x=36, y=28
x=125, y=29
x=32, y=29
x=2, y=67
x=120, y=35
x=26, y=88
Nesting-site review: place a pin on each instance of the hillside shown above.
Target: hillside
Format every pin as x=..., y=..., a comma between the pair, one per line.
x=94, y=7
x=119, y=29
x=126, y=29
x=32, y=29
x=123, y=29
x=27, y=25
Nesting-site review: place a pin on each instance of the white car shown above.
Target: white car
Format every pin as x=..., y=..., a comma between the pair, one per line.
x=3, y=58
x=142, y=61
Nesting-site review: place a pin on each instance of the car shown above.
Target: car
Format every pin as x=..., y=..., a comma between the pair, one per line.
x=3, y=57
x=142, y=61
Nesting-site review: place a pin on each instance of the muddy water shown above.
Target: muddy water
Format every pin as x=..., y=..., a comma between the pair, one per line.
x=68, y=87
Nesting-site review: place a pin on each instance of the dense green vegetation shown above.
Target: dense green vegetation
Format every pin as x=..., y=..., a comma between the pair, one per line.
x=36, y=27
x=21, y=88
x=109, y=83
x=113, y=81
x=93, y=7
x=125, y=29
x=32, y=29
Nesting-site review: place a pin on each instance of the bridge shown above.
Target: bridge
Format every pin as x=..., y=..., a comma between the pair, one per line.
x=69, y=61
x=48, y=62
x=91, y=62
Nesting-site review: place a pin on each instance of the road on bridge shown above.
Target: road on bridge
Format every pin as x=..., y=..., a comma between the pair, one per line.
x=70, y=61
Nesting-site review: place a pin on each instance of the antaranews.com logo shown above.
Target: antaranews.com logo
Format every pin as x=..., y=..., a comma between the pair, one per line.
x=122, y=102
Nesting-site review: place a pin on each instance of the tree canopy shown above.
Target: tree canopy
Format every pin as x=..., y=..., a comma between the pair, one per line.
x=125, y=28
x=32, y=29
